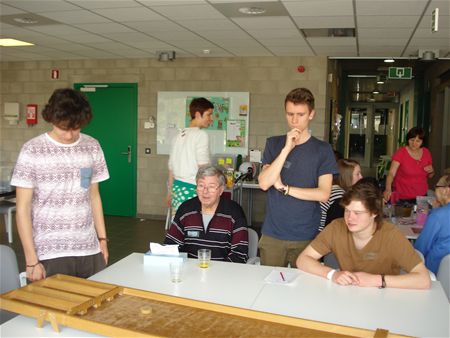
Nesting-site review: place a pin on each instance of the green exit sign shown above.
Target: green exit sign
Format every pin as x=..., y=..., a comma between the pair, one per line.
x=400, y=73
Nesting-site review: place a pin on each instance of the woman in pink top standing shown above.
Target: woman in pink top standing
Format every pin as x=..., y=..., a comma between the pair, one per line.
x=411, y=167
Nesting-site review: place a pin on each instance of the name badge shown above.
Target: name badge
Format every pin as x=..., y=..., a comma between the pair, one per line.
x=192, y=233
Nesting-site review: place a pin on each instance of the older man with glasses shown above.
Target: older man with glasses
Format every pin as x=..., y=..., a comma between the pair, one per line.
x=210, y=221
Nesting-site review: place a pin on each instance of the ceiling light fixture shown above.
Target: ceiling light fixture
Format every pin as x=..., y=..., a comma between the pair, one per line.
x=252, y=10
x=375, y=92
x=14, y=43
x=26, y=20
x=389, y=60
x=206, y=51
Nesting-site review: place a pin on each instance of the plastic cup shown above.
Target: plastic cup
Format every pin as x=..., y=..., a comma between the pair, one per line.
x=176, y=270
x=204, y=256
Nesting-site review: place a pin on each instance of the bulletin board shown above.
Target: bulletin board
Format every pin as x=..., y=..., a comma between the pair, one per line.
x=227, y=135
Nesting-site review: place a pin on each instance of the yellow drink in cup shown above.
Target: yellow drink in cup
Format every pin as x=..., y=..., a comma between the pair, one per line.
x=204, y=256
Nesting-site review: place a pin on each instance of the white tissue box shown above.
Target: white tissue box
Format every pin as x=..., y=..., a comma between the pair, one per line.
x=150, y=258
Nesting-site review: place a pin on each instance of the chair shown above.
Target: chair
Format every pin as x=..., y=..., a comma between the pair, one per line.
x=253, y=240
x=9, y=277
x=7, y=208
x=443, y=274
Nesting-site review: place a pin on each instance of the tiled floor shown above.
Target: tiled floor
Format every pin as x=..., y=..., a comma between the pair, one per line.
x=126, y=235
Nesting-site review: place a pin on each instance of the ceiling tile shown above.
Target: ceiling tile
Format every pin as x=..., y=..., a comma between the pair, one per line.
x=443, y=5
x=86, y=37
x=380, y=42
x=41, y=5
x=278, y=22
x=228, y=43
x=377, y=51
x=427, y=33
x=325, y=22
x=275, y=33
x=437, y=43
x=74, y=17
x=154, y=26
x=443, y=22
x=383, y=32
x=320, y=8
x=387, y=21
x=129, y=14
x=8, y=10
x=129, y=37
x=400, y=8
x=254, y=51
x=105, y=27
x=57, y=30
x=96, y=4
x=218, y=34
x=291, y=51
x=174, y=36
x=299, y=42
x=151, y=3
x=185, y=12
x=335, y=51
x=323, y=42
x=208, y=24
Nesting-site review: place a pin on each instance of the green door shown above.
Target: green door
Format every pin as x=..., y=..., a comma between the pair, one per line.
x=114, y=125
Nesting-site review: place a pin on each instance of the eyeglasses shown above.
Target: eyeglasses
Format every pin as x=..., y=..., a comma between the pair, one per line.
x=208, y=188
x=355, y=212
x=440, y=186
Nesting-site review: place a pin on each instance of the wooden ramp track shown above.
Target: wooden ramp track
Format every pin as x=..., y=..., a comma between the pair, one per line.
x=115, y=311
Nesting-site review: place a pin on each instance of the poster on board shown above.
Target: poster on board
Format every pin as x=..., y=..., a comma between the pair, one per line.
x=229, y=131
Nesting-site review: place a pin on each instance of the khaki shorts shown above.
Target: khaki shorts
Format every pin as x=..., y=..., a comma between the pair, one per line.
x=277, y=252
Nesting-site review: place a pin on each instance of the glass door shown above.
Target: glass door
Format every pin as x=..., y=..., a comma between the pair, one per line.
x=370, y=132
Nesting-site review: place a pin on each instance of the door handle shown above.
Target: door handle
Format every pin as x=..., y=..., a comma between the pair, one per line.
x=128, y=153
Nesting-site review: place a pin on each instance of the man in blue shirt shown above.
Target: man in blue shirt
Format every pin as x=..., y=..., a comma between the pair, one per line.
x=297, y=173
x=434, y=240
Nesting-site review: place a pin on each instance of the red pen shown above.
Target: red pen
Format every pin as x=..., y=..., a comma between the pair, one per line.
x=282, y=277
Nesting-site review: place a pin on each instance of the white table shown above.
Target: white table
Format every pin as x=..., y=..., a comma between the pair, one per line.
x=410, y=312
x=225, y=283
x=420, y=313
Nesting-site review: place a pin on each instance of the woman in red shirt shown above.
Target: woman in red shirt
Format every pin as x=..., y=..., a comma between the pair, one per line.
x=411, y=167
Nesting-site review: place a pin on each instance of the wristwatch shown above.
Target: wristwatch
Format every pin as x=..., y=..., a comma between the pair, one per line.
x=282, y=190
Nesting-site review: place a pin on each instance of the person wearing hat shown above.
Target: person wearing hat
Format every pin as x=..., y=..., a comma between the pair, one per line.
x=434, y=240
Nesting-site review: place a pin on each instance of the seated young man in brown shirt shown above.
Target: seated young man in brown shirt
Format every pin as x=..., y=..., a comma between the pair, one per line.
x=371, y=252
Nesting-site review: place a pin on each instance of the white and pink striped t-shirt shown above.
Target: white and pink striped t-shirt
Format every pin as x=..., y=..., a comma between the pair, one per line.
x=60, y=176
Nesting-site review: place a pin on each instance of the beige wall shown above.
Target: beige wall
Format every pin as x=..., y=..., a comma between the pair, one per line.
x=268, y=79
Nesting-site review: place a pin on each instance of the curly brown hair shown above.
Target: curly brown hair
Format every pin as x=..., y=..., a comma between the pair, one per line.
x=67, y=109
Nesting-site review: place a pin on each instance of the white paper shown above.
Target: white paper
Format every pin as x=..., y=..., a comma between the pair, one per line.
x=167, y=250
x=255, y=155
x=281, y=277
